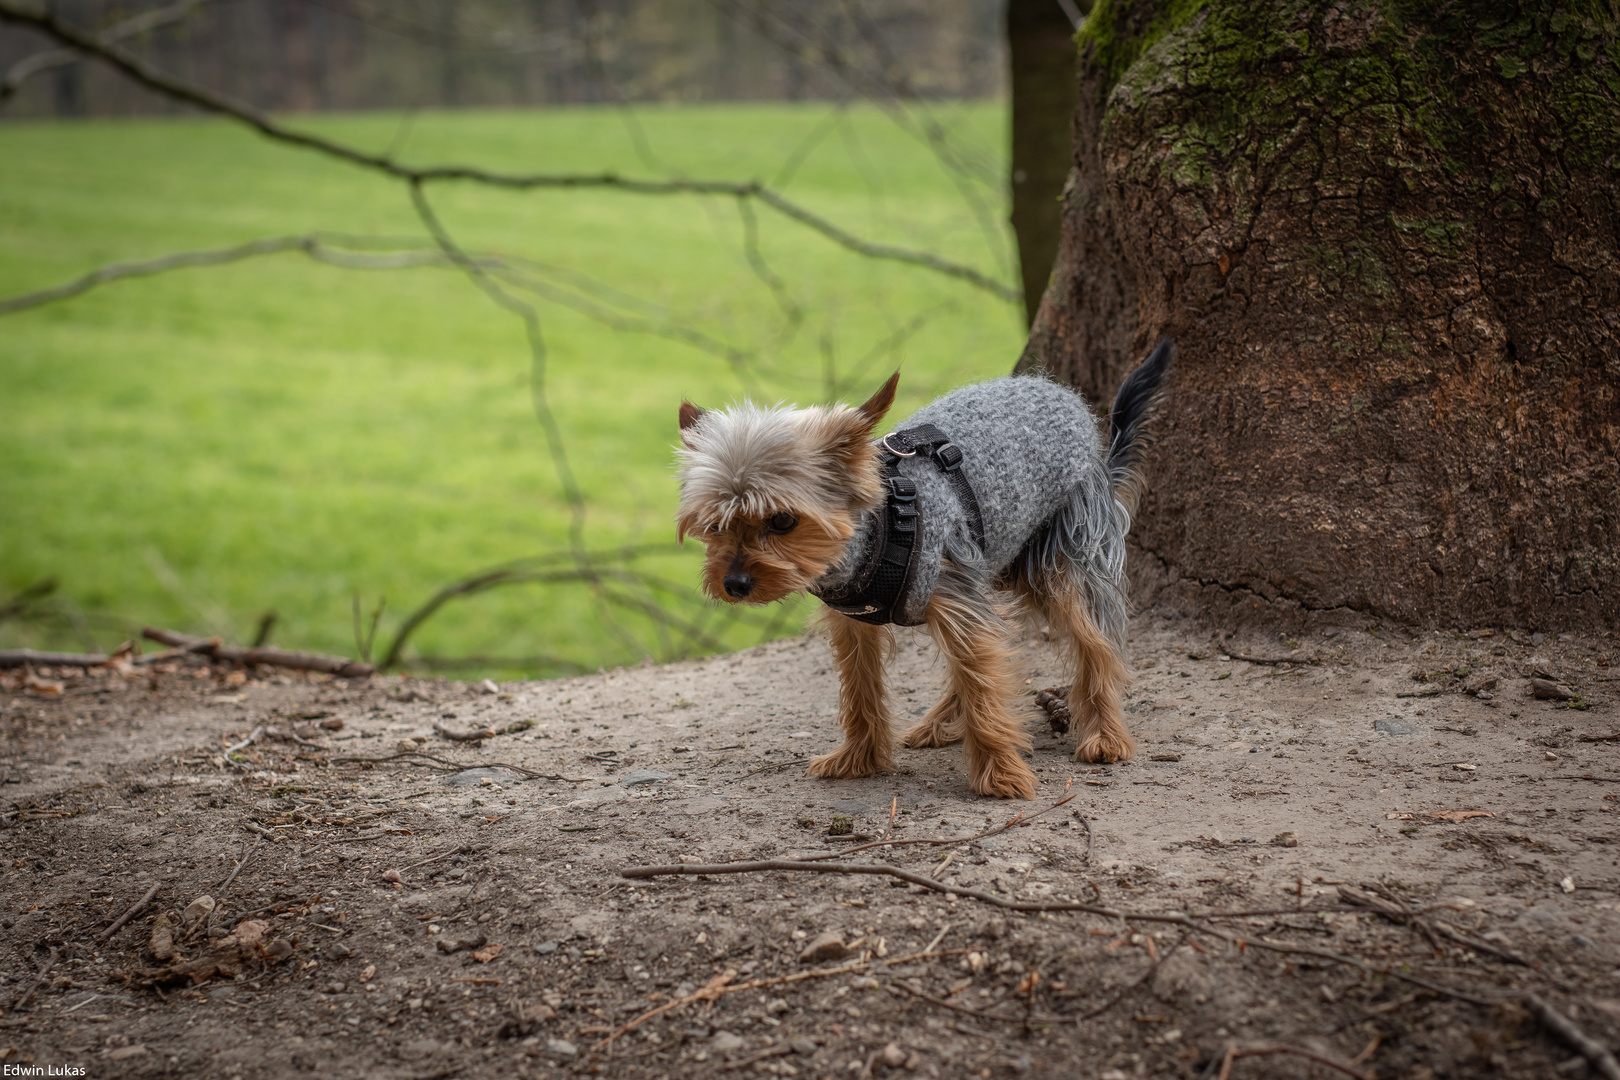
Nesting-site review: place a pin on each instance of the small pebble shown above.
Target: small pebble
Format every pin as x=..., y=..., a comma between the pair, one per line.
x=546, y=948
x=828, y=945
x=724, y=1042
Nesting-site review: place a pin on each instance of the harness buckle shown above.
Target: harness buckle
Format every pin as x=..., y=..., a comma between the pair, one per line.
x=884, y=442
x=949, y=457
x=901, y=489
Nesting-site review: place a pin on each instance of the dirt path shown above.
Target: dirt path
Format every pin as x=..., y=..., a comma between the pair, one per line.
x=1258, y=787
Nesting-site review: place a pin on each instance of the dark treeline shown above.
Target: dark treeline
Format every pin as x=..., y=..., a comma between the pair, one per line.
x=304, y=55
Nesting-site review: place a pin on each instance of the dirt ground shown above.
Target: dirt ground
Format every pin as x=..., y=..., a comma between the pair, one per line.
x=360, y=935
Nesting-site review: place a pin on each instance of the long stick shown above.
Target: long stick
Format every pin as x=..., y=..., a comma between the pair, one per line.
x=15, y=658
x=39, y=980
x=1562, y=1026
x=130, y=914
x=299, y=661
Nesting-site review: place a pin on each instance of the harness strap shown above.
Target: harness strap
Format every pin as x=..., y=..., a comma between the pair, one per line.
x=948, y=456
x=877, y=593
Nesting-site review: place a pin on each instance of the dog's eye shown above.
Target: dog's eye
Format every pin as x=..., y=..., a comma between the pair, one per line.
x=714, y=527
x=781, y=523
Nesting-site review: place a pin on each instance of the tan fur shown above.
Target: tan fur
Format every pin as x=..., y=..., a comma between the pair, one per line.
x=861, y=650
x=1100, y=675
x=942, y=725
x=781, y=564
x=978, y=656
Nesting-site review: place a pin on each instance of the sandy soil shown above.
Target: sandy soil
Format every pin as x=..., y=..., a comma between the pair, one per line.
x=1297, y=793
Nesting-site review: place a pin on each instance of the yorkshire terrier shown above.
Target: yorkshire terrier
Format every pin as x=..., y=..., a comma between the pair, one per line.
x=999, y=487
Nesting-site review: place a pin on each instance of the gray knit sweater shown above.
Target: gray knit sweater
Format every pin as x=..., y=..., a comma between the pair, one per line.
x=1033, y=452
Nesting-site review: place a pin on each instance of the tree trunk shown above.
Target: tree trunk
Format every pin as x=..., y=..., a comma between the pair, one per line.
x=1040, y=56
x=1385, y=238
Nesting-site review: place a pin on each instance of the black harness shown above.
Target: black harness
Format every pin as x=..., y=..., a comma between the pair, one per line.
x=877, y=592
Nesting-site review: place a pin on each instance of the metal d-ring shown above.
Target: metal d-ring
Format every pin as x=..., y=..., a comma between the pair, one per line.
x=892, y=450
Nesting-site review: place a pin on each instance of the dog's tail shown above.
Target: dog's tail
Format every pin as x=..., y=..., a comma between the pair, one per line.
x=1132, y=405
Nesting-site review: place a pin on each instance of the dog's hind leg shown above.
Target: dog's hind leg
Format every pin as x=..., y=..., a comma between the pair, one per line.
x=1099, y=671
x=978, y=653
x=861, y=650
x=940, y=727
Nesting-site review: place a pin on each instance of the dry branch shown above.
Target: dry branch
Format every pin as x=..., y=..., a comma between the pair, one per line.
x=1017, y=820
x=138, y=70
x=15, y=658
x=1562, y=1026
x=43, y=61
x=297, y=661
x=133, y=910
x=461, y=766
x=39, y=980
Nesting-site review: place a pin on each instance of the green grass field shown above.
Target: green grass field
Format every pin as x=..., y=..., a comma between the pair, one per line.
x=196, y=448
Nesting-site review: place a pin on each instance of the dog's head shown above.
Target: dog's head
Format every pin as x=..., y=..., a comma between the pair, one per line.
x=776, y=493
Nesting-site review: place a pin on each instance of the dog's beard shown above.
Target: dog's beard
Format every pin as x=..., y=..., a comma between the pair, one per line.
x=779, y=565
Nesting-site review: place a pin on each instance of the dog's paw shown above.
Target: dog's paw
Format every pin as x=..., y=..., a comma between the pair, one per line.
x=1004, y=778
x=928, y=733
x=1104, y=747
x=847, y=763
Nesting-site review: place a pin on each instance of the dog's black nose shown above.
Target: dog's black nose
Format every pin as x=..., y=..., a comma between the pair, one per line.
x=738, y=584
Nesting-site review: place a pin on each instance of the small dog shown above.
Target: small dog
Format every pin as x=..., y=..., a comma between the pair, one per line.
x=1003, y=486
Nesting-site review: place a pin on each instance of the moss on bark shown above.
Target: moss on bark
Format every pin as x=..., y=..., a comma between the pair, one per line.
x=1388, y=235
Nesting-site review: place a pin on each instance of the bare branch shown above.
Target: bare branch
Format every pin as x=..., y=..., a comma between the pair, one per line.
x=334, y=665
x=147, y=267
x=29, y=66
x=137, y=69
x=15, y=658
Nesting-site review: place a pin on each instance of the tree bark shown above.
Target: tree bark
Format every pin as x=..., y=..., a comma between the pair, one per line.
x=1385, y=236
x=1040, y=57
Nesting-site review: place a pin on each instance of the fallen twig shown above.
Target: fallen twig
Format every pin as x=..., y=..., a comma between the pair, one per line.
x=134, y=908
x=780, y=765
x=253, y=737
x=297, y=661
x=248, y=855
x=1396, y=910
x=1174, y=918
x=1271, y=660
x=1611, y=737
x=461, y=766
x=16, y=658
x=1014, y=822
x=39, y=980
x=1135, y=984
x=981, y=1014
x=710, y=991
x=1562, y=1026
x=721, y=985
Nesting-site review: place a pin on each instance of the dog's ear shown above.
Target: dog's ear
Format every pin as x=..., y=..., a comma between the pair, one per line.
x=878, y=404
x=690, y=415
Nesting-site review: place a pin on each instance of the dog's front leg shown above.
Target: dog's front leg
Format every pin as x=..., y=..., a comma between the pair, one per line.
x=978, y=651
x=861, y=650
